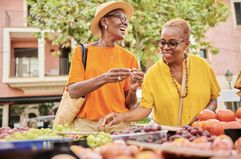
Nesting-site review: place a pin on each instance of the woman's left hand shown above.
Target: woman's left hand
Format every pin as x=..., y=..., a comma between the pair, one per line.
x=109, y=120
x=137, y=77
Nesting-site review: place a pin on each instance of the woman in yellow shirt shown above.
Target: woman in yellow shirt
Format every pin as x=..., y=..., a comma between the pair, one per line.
x=111, y=77
x=177, y=87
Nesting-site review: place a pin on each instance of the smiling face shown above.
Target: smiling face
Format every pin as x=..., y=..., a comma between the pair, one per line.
x=173, y=44
x=116, y=22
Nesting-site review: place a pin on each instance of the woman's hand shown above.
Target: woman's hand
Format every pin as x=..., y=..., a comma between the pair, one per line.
x=117, y=74
x=133, y=115
x=110, y=119
x=136, y=79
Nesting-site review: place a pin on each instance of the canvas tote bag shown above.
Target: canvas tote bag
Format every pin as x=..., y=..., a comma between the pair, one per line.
x=68, y=107
x=237, y=84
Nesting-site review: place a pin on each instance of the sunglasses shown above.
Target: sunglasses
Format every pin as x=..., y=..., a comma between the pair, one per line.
x=172, y=44
x=121, y=16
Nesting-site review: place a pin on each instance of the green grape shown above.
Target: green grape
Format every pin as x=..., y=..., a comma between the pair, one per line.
x=66, y=126
x=91, y=141
x=30, y=136
x=17, y=136
x=59, y=127
x=34, y=131
x=98, y=139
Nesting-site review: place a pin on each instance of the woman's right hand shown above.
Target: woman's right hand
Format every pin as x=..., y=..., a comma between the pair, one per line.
x=110, y=119
x=117, y=74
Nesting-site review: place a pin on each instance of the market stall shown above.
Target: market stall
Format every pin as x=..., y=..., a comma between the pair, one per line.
x=214, y=135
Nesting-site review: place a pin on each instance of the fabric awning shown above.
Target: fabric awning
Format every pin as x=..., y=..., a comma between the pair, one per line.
x=30, y=99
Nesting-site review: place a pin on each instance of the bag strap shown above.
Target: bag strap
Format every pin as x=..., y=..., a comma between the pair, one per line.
x=84, y=51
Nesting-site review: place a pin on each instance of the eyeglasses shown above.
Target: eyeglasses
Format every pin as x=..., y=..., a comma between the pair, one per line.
x=121, y=16
x=172, y=44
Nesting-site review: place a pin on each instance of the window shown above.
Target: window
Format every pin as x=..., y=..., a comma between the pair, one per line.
x=237, y=12
x=203, y=53
x=26, y=62
x=27, y=13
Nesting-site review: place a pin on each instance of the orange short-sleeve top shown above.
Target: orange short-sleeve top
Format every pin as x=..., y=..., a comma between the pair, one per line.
x=110, y=97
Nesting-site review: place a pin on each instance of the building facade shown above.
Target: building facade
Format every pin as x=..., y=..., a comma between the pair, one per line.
x=30, y=76
x=226, y=36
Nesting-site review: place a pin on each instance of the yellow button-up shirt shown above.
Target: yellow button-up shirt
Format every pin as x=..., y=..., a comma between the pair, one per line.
x=160, y=93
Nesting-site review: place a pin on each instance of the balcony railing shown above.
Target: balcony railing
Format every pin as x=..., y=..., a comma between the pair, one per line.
x=61, y=69
x=29, y=67
x=24, y=67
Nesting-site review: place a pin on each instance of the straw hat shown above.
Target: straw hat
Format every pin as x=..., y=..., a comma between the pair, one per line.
x=105, y=8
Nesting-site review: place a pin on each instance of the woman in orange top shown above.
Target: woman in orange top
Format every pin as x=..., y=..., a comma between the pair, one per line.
x=111, y=77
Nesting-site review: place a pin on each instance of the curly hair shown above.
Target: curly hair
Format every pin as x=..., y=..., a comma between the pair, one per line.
x=181, y=24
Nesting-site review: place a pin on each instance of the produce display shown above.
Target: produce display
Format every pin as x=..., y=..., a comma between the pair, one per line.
x=220, y=143
x=146, y=133
x=139, y=128
x=116, y=150
x=204, y=139
x=215, y=123
x=6, y=131
x=191, y=134
x=33, y=134
x=16, y=134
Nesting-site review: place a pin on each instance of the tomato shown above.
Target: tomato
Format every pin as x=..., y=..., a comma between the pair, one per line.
x=231, y=125
x=225, y=115
x=207, y=125
x=206, y=114
x=197, y=124
x=238, y=120
x=217, y=128
x=238, y=112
